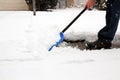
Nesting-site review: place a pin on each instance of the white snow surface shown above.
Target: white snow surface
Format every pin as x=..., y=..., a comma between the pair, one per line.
x=25, y=40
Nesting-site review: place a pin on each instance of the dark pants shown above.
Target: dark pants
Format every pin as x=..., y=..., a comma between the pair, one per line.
x=112, y=19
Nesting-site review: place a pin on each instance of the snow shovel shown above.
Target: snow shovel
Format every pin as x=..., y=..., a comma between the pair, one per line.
x=34, y=7
x=61, y=33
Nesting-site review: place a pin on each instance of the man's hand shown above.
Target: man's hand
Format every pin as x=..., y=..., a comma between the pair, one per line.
x=90, y=4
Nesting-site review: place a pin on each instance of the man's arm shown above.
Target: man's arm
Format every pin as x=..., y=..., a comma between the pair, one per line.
x=90, y=4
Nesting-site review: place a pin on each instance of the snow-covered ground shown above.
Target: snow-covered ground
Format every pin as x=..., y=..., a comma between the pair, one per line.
x=25, y=40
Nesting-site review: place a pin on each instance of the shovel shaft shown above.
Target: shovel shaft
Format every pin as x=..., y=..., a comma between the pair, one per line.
x=74, y=19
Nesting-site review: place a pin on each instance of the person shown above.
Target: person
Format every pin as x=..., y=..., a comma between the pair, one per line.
x=107, y=33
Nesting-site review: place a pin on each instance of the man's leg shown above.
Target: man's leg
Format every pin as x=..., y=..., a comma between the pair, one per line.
x=106, y=35
x=112, y=19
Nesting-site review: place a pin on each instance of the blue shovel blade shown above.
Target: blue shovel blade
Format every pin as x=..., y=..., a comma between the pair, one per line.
x=57, y=43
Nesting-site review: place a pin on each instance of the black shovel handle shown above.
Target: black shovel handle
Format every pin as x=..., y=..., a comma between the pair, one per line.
x=74, y=19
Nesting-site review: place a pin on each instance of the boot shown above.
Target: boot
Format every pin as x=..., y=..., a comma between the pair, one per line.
x=98, y=45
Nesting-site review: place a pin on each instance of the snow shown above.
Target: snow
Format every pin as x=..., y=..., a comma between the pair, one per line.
x=25, y=40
